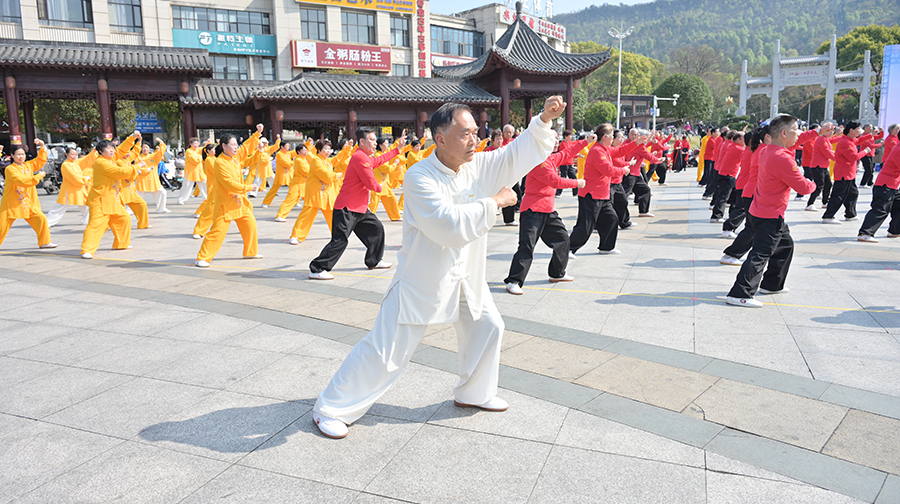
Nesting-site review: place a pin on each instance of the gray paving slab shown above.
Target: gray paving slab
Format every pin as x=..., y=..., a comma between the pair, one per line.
x=216, y=366
x=797, y=385
x=73, y=347
x=290, y=378
x=417, y=395
x=19, y=335
x=250, y=486
x=864, y=400
x=728, y=488
x=141, y=356
x=890, y=493
x=60, y=388
x=867, y=439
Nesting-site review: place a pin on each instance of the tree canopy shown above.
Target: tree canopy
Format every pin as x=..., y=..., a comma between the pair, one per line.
x=640, y=74
x=695, y=101
x=600, y=112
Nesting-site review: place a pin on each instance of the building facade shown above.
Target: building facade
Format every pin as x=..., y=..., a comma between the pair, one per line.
x=267, y=40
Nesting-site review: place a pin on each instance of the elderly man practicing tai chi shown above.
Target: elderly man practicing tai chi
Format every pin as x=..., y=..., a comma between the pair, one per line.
x=451, y=203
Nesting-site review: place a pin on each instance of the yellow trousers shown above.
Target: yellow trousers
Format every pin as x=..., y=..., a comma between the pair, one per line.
x=700, y=171
x=400, y=203
x=272, y=193
x=216, y=236
x=290, y=201
x=38, y=222
x=139, y=207
x=389, y=202
x=305, y=220
x=201, y=208
x=120, y=224
x=205, y=221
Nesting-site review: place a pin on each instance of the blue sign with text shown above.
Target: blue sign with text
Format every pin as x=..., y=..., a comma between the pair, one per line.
x=226, y=43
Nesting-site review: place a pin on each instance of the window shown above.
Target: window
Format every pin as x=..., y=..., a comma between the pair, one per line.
x=268, y=65
x=125, y=15
x=627, y=110
x=455, y=42
x=67, y=13
x=400, y=31
x=640, y=110
x=229, y=67
x=312, y=24
x=358, y=27
x=402, y=70
x=199, y=18
x=9, y=12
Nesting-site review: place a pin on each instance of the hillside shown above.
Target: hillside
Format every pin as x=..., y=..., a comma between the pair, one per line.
x=739, y=30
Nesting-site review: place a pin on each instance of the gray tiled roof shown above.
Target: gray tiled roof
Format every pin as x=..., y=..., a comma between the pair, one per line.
x=521, y=48
x=324, y=87
x=222, y=92
x=804, y=60
x=32, y=53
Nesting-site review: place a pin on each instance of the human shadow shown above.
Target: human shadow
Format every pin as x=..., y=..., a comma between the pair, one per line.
x=662, y=262
x=660, y=300
x=861, y=266
x=873, y=316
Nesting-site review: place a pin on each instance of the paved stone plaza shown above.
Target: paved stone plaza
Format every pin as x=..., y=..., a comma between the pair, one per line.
x=136, y=377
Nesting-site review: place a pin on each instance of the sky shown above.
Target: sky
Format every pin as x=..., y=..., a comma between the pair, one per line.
x=559, y=6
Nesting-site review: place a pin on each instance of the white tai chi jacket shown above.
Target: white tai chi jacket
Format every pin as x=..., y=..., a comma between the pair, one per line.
x=445, y=222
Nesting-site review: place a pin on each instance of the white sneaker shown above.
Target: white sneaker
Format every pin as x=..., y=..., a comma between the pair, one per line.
x=571, y=255
x=87, y=255
x=201, y=264
x=564, y=278
x=513, y=223
x=831, y=221
x=48, y=246
x=648, y=214
x=784, y=290
x=729, y=234
x=180, y=202
x=164, y=210
x=745, y=302
x=716, y=221
x=280, y=219
x=613, y=251
x=811, y=208
x=514, y=288
x=705, y=198
x=731, y=261
x=126, y=248
x=294, y=241
x=322, y=275
x=664, y=184
x=196, y=216
x=197, y=237
x=866, y=238
x=495, y=404
x=798, y=197
x=849, y=219
x=264, y=205
x=329, y=427
x=257, y=256
x=382, y=265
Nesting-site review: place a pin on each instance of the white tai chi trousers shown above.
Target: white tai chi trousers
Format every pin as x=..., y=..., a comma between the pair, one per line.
x=377, y=360
x=188, y=187
x=160, y=197
x=56, y=213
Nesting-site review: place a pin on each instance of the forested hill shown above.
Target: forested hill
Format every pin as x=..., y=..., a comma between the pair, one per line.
x=745, y=29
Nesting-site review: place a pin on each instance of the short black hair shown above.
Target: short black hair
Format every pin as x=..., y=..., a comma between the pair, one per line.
x=852, y=125
x=299, y=147
x=225, y=139
x=363, y=132
x=415, y=143
x=780, y=123
x=102, y=144
x=603, y=130
x=320, y=144
x=443, y=117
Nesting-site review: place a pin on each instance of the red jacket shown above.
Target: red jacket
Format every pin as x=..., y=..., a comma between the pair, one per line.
x=889, y=145
x=741, y=182
x=868, y=140
x=753, y=174
x=890, y=171
x=563, y=145
x=359, y=180
x=778, y=174
x=543, y=180
x=822, y=153
x=731, y=160
x=599, y=168
x=639, y=154
x=846, y=158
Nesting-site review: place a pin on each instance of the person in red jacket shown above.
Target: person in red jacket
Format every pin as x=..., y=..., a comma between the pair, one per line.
x=617, y=193
x=884, y=198
x=351, y=209
x=728, y=172
x=659, y=147
x=595, y=210
x=891, y=141
x=846, y=160
x=567, y=169
x=867, y=139
x=714, y=153
x=634, y=181
x=822, y=155
x=538, y=219
x=772, y=243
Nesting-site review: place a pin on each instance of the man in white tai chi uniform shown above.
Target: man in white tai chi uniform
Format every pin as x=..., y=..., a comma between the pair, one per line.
x=452, y=199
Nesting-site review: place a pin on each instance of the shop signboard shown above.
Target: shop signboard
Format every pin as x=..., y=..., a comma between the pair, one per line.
x=305, y=54
x=226, y=43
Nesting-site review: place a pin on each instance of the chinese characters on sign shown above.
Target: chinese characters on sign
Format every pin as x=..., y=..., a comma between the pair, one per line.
x=385, y=5
x=420, y=36
x=803, y=75
x=540, y=26
x=327, y=55
x=448, y=60
x=225, y=43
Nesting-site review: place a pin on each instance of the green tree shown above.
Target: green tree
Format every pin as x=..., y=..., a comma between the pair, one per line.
x=695, y=101
x=600, y=112
x=640, y=74
x=79, y=120
x=580, y=107
x=851, y=48
x=168, y=114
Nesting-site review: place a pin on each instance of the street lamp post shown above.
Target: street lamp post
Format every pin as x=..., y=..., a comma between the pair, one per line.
x=674, y=101
x=620, y=35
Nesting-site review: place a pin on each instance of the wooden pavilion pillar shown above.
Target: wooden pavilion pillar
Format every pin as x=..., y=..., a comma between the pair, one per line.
x=112, y=117
x=570, y=102
x=504, y=98
x=11, y=98
x=482, y=123
x=276, y=118
x=105, y=108
x=421, y=117
x=529, y=111
x=28, y=116
x=189, y=130
x=351, y=124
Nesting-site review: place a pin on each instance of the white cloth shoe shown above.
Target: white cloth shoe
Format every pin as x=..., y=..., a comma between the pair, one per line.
x=648, y=214
x=513, y=223
x=48, y=246
x=745, y=302
x=197, y=237
x=784, y=290
x=811, y=208
x=280, y=219
x=196, y=216
x=731, y=261
x=495, y=404
x=716, y=221
x=514, y=288
x=329, y=427
x=265, y=206
x=729, y=234
x=866, y=238
x=294, y=241
x=571, y=255
x=322, y=275
x=201, y=264
x=831, y=221
x=610, y=252
x=564, y=278
x=257, y=256
x=87, y=255
x=382, y=265
x=849, y=219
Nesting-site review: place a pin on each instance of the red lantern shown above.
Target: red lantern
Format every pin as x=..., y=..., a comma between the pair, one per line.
x=279, y=115
x=517, y=83
x=102, y=85
x=10, y=82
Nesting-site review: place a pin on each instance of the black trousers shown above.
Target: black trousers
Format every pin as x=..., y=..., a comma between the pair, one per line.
x=661, y=170
x=642, y=192
x=744, y=241
x=844, y=193
x=712, y=185
x=722, y=197
x=868, y=177
x=367, y=228
x=620, y=204
x=773, y=249
x=552, y=231
x=821, y=177
x=707, y=170
x=599, y=214
x=569, y=172
x=736, y=211
x=885, y=202
x=509, y=213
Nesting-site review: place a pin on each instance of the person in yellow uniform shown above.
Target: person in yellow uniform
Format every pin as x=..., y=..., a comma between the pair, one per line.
x=148, y=181
x=701, y=158
x=340, y=163
x=231, y=200
x=413, y=156
x=297, y=185
x=129, y=194
x=75, y=187
x=193, y=172
x=206, y=210
x=260, y=164
x=106, y=203
x=319, y=195
x=284, y=171
x=20, y=199
x=383, y=175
